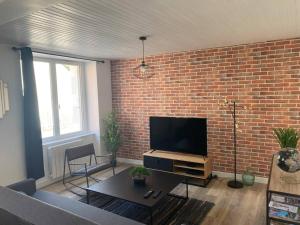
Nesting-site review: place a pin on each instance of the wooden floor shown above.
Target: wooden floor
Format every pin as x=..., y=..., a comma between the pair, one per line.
x=232, y=207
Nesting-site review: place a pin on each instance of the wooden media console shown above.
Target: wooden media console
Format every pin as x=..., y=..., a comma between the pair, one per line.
x=195, y=167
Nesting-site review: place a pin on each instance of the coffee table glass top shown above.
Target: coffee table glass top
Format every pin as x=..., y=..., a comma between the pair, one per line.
x=121, y=186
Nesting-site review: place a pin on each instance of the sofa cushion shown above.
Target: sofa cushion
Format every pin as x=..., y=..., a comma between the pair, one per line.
x=26, y=186
x=97, y=215
x=35, y=212
x=7, y=218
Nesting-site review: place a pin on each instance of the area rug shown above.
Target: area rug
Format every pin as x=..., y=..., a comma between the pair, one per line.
x=171, y=210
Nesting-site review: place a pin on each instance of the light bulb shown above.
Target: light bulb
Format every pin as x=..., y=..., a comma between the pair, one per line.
x=143, y=69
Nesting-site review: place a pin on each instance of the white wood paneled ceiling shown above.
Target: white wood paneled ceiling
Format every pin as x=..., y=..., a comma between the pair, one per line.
x=110, y=28
x=13, y=9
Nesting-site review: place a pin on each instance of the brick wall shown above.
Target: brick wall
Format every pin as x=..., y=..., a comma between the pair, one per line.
x=265, y=77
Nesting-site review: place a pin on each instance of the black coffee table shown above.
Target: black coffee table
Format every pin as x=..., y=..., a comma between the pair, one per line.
x=122, y=187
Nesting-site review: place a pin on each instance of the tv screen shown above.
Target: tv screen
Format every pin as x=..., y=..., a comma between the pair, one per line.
x=187, y=135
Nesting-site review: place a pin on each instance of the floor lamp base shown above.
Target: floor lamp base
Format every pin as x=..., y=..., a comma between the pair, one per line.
x=235, y=184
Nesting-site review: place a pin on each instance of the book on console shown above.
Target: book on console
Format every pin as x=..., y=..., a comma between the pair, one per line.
x=286, y=199
x=284, y=207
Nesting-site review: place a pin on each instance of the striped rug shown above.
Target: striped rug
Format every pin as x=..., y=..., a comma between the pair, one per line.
x=170, y=211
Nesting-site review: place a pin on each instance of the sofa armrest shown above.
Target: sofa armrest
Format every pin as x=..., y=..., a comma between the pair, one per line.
x=27, y=186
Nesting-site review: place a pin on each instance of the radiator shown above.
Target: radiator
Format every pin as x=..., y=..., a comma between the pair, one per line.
x=56, y=153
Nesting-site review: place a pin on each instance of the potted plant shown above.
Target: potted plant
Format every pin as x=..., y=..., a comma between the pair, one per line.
x=287, y=138
x=288, y=156
x=139, y=174
x=112, y=135
x=248, y=177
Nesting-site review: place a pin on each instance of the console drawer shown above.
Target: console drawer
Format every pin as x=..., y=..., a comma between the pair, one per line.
x=158, y=163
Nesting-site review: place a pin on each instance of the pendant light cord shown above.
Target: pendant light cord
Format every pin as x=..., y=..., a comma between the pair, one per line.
x=143, y=51
x=142, y=70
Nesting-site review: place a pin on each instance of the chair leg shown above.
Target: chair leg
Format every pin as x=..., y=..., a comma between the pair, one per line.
x=87, y=181
x=74, y=185
x=64, y=177
x=95, y=179
x=64, y=174
x=114, y=170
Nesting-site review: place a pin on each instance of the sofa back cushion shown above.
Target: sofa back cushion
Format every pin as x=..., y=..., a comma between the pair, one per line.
x=17, y=207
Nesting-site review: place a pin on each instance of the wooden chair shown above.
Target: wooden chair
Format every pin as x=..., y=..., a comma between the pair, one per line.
x=86, y=169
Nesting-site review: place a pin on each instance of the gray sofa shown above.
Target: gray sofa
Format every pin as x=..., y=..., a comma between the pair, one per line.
x=23, y=204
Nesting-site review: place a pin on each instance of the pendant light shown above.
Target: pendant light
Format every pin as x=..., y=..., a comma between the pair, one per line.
x=144, y=70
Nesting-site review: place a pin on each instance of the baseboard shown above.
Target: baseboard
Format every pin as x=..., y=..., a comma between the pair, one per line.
x=262, y=180
x=130, y=161
x=46, y=181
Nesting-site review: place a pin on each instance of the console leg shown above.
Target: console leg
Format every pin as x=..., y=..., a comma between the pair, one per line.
x=267, y=209
x=151, y=216
x=187, y=188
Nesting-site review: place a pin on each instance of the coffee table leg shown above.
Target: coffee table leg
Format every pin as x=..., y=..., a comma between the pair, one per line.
x=87, y=196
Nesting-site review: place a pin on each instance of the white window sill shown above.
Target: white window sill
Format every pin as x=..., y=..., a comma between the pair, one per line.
x=67, y=138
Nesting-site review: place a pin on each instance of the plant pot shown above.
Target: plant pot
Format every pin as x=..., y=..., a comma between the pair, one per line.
x=139, y=180
x=114, y=162
x=248, y=179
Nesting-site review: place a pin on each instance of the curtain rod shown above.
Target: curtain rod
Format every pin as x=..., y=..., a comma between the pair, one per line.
x=61, y=55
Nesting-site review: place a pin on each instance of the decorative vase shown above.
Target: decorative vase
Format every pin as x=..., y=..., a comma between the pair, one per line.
x=289, y=160
x=248, y=178
x=139, y=180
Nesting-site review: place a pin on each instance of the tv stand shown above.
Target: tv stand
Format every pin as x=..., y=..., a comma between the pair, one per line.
x=195, y=167
x=153, y=150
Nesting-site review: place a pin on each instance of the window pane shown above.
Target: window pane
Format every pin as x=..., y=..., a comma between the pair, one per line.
x=69, y=104
x=43, y=86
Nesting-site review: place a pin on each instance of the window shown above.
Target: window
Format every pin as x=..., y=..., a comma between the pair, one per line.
x=60, y=93
x=68, y=95
x=42, y=77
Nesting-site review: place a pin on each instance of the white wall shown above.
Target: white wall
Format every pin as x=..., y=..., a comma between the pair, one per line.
x=12, y=158
x=99, y=97
x=92, y=101
x=104, y=95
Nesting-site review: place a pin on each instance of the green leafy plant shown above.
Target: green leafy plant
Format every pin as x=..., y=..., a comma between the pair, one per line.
x=139, y=171
x=287, y=137
x=112, y=134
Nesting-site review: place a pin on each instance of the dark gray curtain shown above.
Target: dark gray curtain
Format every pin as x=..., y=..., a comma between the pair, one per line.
x=32, y=127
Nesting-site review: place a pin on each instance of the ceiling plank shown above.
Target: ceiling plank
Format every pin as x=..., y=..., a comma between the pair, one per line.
x=13, y=9
x=110, y=28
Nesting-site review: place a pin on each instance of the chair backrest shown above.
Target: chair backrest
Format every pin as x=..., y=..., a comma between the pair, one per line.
x=80, y=152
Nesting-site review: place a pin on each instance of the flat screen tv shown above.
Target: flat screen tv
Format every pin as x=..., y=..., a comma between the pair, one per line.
x=187, y=135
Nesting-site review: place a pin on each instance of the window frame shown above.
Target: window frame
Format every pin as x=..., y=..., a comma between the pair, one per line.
x=54, y=97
